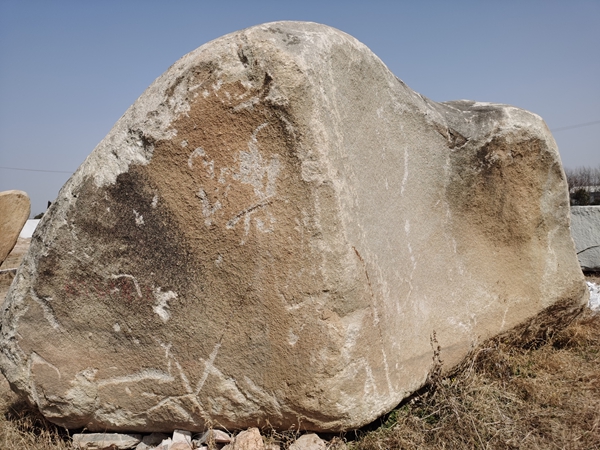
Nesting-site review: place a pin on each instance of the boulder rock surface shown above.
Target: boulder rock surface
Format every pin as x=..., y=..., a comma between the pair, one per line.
x=279, y=231
x=585, y=229
x=14, y=211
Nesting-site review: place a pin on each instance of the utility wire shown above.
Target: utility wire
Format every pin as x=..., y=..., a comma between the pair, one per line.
x=34, y=170
x=579, y=125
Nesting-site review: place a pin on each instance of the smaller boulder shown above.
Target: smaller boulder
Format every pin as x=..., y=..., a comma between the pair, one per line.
x=216, y=436
x=106, y=441
x=14, y=211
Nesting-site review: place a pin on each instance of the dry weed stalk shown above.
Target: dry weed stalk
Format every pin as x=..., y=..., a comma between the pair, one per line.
x=538, y=395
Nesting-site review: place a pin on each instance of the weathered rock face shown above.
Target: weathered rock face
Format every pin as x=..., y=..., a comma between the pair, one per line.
x=14, y=211
x=276, y=231
x=585, y=229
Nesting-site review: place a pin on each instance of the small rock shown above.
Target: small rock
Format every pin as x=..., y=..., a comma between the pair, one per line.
x=247, y=440
x=272, y=446
x=216, y=436
x=164, y=445
x=154, y=439
x=309, y=442
x=181, y=445
x=151, y=441
x=182, y=436
x=106, y=441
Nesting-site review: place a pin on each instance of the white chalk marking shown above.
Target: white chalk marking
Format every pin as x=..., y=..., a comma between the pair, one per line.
x=196, y=153
x=208, y=210
x=208, y=365
x=46, y=310
x=146, y=374
x=162, y=299
x=405, y=175
x=292, y=338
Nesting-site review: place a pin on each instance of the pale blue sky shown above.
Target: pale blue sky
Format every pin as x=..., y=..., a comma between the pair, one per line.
x=70, y=69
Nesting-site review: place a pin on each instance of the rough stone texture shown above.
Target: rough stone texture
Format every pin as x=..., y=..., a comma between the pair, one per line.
x=182, y=436
x=279, y=232
x=309, y=442
x=247, y=440
x=14, y=211
x=106, y=441
x=585, y=229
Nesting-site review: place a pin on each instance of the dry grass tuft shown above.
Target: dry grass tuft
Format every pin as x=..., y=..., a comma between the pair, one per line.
x=507, y=397
x=23, y=428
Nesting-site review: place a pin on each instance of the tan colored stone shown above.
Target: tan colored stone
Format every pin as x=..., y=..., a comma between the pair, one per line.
x=181, y=445
x=216, y=436
x=336, y=227
x=272, y=446
x=308, y=442
x=248, y=440
x=14, y=211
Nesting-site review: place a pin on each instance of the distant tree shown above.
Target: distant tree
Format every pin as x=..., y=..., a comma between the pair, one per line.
x=582, y=182
x=580, y=197
x=39, y=216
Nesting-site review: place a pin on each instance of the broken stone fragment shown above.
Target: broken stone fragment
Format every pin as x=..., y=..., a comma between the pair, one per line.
x=337, y=228
x=308, y=442
x=247, y=440
x=182, y=436
x=106, y=441
x=216, y=436
x=181, y=446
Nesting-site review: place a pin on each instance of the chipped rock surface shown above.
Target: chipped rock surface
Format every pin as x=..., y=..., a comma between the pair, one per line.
x=14, y=211
x=585, y=229
x=274, y=233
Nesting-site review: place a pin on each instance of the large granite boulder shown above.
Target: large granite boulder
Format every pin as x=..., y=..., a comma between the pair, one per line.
x=585, y=229
x=280, y=232
x=14, y=211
